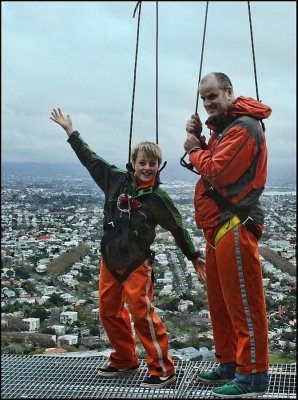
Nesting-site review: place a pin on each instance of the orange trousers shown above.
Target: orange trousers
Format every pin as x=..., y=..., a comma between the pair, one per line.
x=137, y=291
x=237, y=300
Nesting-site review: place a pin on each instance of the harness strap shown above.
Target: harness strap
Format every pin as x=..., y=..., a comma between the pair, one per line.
x=249, y=224
x=122, y=278
x=124, y=223
x=227, y=226
x=222, y=203
x=129, y=270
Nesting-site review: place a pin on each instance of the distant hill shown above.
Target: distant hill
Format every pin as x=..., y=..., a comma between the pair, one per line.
x=172, y=171
x=33, y=168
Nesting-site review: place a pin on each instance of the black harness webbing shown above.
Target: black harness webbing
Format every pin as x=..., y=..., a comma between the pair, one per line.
x=224, y=205
x=129, y=270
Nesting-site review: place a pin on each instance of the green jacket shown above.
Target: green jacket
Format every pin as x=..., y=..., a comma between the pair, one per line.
x=128, y=235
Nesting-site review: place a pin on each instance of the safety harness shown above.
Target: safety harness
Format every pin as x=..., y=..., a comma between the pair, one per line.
x=224, y=205
x=127, y=202
x=120, y=227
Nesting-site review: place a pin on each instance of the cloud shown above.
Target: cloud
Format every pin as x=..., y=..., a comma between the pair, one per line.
x=80, y=56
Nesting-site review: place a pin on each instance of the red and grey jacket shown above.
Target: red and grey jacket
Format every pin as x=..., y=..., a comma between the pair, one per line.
x=128, y=235
x=234, y=164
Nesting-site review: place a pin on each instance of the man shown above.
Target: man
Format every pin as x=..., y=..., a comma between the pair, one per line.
x=233, y=168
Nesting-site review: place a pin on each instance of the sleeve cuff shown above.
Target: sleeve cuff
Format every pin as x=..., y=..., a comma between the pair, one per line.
x=196, y=255
x=72, y=135
x=194, y=149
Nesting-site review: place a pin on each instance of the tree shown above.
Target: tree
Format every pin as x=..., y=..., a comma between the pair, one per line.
x=29, y=287
x=22, y=273
x=87, y=275
x=39, y=312
x=287, y=348
x=49, y=331
x=56, y=300
x=172, y=305
x=289, y=336
x=94, y=330
x=15, y=324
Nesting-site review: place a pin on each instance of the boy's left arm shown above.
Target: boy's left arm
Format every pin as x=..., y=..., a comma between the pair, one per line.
x=169, y=218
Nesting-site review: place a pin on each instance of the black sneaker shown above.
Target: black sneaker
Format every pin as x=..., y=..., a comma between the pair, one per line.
x=110, y=371
x=158, y=381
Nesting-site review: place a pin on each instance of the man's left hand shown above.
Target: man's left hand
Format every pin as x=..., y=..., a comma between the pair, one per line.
x=191, y=142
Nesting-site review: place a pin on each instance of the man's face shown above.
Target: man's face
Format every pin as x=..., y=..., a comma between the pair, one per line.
x=145, y=168
x=215, y=100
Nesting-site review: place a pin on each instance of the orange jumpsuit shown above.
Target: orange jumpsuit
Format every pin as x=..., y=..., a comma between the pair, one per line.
x=235, y=165
x=137, y=290
x=237, y=300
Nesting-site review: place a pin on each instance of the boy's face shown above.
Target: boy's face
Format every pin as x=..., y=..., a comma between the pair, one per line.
x=145, y=168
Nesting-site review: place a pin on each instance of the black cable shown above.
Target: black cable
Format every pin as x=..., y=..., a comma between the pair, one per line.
x=138, y=6
x=183, y=163
x=254, y=59
x=156, y=90
x=253, y=50
x=202, y=55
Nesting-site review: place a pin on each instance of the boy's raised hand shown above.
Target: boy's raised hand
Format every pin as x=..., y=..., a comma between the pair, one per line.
x=60, y=119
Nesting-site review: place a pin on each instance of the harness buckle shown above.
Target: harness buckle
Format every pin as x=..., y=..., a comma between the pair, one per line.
x=248, y=219
x=123, y=203
x=135, y=204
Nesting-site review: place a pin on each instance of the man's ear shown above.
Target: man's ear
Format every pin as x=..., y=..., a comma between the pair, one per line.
x=230, y=91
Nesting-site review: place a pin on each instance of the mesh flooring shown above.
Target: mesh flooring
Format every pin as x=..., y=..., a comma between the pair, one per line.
x=32, y=377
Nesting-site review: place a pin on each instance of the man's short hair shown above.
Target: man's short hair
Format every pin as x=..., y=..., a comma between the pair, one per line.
x=222, y=79
x=150, y=149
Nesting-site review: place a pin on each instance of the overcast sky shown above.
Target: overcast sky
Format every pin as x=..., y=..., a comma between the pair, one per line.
x=80, y=56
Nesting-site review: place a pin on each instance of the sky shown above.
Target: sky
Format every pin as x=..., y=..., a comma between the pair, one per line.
x=80, y=56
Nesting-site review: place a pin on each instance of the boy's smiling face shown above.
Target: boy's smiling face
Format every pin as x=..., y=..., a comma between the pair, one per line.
x=145, y=168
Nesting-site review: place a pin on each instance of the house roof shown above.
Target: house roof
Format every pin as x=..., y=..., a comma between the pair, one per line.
x=44, y=237
x=54, y=350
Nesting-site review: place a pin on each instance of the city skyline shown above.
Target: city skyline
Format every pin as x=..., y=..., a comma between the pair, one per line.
x=172, y=171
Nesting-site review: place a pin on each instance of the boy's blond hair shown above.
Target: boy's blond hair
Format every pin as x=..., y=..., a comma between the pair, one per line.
x=150, y=149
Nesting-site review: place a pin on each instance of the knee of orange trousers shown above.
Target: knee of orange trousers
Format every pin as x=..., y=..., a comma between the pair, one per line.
x=119, y=312
x=111, y=302
x=147, y=321
x=109, y=309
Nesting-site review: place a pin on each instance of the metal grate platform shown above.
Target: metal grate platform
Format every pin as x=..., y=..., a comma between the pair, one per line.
x=33, y=377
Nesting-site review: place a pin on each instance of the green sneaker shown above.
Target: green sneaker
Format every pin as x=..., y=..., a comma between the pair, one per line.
x=212, y=377
x=234, y=390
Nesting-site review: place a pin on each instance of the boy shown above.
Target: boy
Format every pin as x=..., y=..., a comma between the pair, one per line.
x=134, y=206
